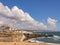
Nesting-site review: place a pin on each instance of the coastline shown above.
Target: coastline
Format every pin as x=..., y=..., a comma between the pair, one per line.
x=18, y=37
x=41, y=43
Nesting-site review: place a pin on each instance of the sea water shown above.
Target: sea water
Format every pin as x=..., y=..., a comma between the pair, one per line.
x=54, y=39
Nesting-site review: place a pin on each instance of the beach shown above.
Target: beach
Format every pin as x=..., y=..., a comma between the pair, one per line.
x=24, y=43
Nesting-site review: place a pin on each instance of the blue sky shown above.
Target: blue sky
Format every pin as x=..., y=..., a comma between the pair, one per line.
x=40, y=10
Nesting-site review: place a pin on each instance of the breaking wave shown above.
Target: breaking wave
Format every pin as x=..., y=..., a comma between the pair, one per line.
x=55, y=39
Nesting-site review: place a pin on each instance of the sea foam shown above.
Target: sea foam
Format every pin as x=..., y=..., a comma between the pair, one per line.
x=55, y=37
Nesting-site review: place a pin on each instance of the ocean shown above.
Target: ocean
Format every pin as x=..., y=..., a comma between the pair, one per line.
x=54, y=39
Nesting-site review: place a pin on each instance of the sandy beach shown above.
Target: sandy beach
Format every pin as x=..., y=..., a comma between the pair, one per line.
x=24, y=43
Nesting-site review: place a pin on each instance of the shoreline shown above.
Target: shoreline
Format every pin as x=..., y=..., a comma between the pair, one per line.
x=45, y=43
x=36, y=41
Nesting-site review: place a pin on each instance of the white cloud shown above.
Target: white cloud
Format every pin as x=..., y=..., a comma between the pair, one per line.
x=42, y=26
x=21, y=19
x=51, y=23
x=15, y=15
x=1, y=22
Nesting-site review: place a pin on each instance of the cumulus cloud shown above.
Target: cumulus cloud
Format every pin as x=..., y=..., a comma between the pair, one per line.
x=18, y=18
x=51, y=23
x=42, y=26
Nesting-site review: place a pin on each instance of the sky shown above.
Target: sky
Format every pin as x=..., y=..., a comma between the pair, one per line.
x=47, y=12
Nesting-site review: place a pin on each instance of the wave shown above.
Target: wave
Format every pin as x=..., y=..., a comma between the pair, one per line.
x=33, y=40
x=36, y=41
x=55, y=37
